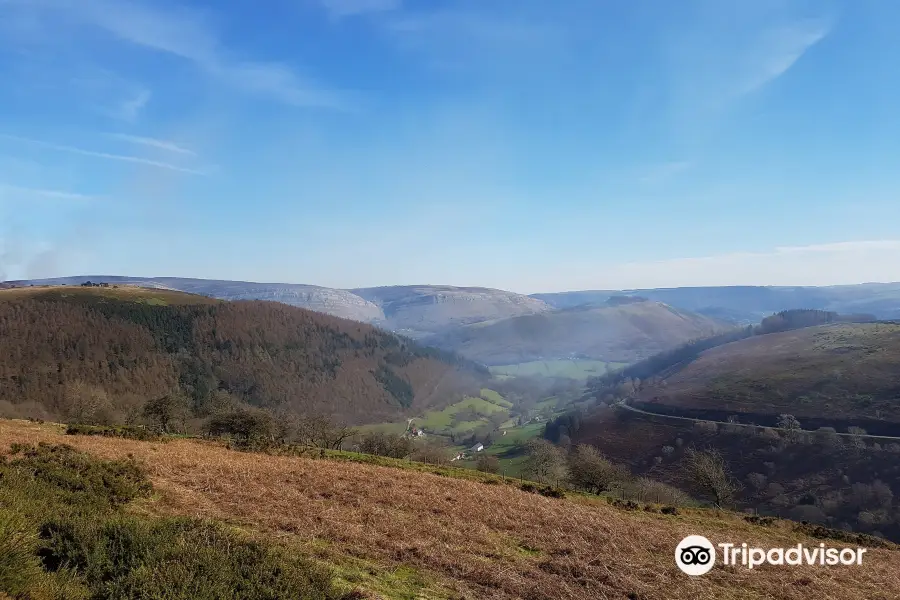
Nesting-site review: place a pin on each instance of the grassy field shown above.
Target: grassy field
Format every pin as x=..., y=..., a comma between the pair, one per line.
x=495, y=398
x=401, y=534
x=508, y=449
x=444, y=421
x=573, y=369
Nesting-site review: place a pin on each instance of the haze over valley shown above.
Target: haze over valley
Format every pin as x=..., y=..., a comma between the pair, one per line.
x=465, y=300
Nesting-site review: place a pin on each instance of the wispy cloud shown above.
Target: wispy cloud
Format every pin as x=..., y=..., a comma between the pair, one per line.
x=105, y=155
x=777, y=49
x=130, y=108
x=730, y=51
x=348, y=8
x=152, y=143
x=6, y=189
x=189, y=34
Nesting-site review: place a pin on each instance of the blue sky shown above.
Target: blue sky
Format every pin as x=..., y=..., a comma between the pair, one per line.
x=520, y=144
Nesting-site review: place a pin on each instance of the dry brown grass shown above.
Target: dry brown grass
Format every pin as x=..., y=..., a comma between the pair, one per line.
x=481, y=541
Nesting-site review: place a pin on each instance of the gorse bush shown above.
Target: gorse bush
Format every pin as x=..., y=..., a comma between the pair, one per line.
x=19, y=566
x=115, y=431
x=126, y=557
x=63, y=534
x=62, y=475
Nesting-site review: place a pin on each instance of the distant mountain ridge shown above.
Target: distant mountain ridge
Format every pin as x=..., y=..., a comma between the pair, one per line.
x=427, y=309
x=423, y=310
x=751, y=304
x=624, y=330
x=414, y=310
x=335, y=302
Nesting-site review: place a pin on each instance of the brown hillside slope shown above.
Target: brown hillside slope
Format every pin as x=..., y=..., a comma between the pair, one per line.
x=472, y=540
x=616, y=333
x=839, y=372
x=68, y=351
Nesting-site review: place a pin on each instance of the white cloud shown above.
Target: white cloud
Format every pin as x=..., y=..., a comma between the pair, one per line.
x=153, y=143
x=104, y=155
x=189, y=34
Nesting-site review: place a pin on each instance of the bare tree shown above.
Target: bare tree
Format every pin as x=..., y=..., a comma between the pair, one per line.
x=790, y=424
x=757, y=481
x=590, y=470
x=165, y=410
x=431, y=451
x=320, y=432
x=709, y=471
x=546, y=462
x=487, y=463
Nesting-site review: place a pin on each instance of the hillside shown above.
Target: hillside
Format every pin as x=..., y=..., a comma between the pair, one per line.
x=338, y=303
x=101, y=353
x=749, y=304
x=414, y=311
x=842, y=373
x=833, y=479
x=615, y=332
x=431, y=308
x=400, y=534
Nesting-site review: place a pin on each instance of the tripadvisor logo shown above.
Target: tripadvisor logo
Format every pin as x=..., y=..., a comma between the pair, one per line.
x=696, y=555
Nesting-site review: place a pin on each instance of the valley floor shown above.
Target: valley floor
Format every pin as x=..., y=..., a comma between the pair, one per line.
x=406, y=534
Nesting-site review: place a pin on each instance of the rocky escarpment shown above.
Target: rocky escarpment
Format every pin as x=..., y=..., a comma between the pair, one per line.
x=432, y=308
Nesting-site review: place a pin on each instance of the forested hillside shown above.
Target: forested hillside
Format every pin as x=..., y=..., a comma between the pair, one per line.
x=100, y=354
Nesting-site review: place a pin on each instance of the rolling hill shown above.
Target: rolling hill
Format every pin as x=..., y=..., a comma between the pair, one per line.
x=338, y=303
x=414, y=311
x=749, y=304
x=621, y=330
x=426, y=309
x=843, y=373
x=833, y=463
x=420, y=310
x=64, y=351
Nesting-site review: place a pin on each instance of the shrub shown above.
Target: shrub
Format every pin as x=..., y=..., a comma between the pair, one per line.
x=386, y=444
x=243, y=424
x=764, y=521
x=124, y=431
x=487, y=463
x=19, y=567
x=591, y=471
x=126, y=557
x=825, y=533
x=60, y=515
x=76, y=479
